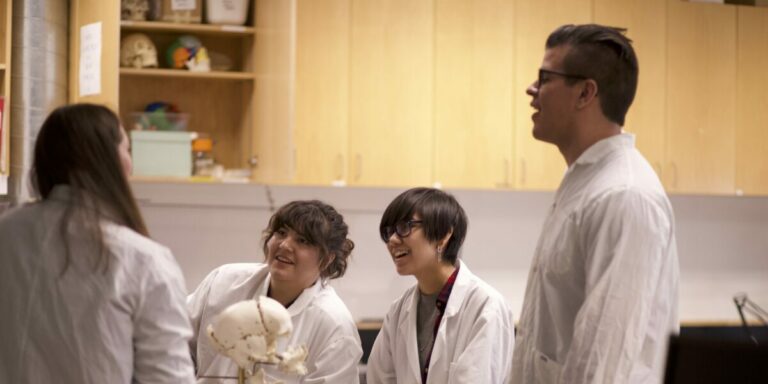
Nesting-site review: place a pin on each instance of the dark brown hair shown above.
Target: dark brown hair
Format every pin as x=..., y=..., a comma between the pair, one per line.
x=322, y=226
x=605, y=55
x=440, y=214
x=77, y=146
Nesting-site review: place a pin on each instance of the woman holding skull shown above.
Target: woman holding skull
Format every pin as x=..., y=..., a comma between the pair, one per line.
x=305, y=245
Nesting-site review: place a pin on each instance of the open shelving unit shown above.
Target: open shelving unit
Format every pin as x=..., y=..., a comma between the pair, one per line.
x=219, y=102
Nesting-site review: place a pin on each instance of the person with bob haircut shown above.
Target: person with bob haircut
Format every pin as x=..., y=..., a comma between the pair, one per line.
x=88, y=297
x=305, y=245
x=451, y=327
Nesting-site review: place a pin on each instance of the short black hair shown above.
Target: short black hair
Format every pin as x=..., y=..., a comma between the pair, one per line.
x=605, y=55
x=322, y=226
x=440, y=214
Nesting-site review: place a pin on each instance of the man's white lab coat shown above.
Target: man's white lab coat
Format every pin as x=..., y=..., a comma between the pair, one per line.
x=602, y=293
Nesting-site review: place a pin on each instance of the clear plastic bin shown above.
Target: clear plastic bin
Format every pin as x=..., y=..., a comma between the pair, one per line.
x=226, y=12
x=158, y=121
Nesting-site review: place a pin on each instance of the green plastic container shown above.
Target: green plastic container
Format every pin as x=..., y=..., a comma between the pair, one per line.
x=162, y=153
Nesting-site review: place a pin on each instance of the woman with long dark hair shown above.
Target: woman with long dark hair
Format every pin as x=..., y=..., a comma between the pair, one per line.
x=88, y=297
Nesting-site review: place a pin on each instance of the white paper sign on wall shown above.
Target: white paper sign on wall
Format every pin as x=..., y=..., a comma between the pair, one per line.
x=90, y=59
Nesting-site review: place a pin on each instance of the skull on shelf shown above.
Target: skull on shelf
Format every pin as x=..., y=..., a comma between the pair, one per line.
x=247, y=332
x=134, y=9
x=138, y=51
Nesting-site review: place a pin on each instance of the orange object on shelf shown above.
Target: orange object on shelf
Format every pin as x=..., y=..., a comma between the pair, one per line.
x=202, y=144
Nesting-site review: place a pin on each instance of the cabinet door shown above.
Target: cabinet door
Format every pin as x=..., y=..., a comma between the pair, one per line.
x=473, y=93
x=391, y=93
x=84, y=12
x=322, y=91
x=645, y=21
x=701, y=97
x=751, y=101
x=272, y=140
x=539, y=165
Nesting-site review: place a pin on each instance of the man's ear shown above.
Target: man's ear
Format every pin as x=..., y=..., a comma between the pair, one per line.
x=588, y=93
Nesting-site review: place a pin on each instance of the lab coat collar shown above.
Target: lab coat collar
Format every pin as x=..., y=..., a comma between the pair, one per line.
x=605, y=146
x=408, y=325
x=60, y=192
x=463, y=282
x=65, y=194
x=301, y=302
x=460, y=287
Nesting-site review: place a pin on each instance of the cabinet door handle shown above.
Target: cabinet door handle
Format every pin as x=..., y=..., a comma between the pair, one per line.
x=254, y=161
x=505, y=183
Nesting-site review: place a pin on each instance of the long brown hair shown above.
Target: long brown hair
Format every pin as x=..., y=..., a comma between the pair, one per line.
x=78, y=146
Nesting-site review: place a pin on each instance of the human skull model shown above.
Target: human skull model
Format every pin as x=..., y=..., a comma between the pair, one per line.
x=138, y=51
x=247, y=332
x=134, y=9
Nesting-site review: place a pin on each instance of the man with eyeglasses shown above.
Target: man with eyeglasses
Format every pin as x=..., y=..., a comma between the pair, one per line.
x=602, y=293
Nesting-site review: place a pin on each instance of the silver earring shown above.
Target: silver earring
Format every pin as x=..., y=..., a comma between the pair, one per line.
x=439, y=249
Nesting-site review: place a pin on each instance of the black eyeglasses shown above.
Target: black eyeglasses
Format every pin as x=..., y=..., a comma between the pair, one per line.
x=402, y=228
x=543, y=79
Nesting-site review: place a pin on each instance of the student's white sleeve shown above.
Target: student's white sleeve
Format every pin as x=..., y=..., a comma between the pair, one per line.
x=196, y=304
x=337, y=363
x=487, y=357
x=161, y=326
x=381, y=365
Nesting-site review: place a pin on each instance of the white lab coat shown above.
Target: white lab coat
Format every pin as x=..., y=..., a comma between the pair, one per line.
x=126, y=325
x=320, y=319
x=473, y=344
x=602, y=293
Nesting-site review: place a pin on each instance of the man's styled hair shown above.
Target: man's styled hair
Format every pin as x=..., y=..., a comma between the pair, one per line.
x=605, y=55
x=439, y=212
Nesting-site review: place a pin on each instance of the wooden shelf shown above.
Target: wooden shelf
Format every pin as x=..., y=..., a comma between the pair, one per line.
x=2, y=67
x=179, y=73
x=201, y=29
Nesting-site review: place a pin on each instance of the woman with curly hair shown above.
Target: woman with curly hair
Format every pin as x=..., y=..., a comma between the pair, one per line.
x=305, y=246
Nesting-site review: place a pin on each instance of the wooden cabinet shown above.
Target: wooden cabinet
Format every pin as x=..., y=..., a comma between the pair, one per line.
x=220, y=103
x=646, y=25
x=701, y=98
x=5, y=92
x=400, y=93
x=539, y=165
x=322, y=91
x=391, y=93
x=364, y=93
x=474, y=94
x=751, y=101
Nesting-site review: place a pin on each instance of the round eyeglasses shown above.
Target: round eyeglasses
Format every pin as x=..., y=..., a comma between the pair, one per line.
x=402, y=228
